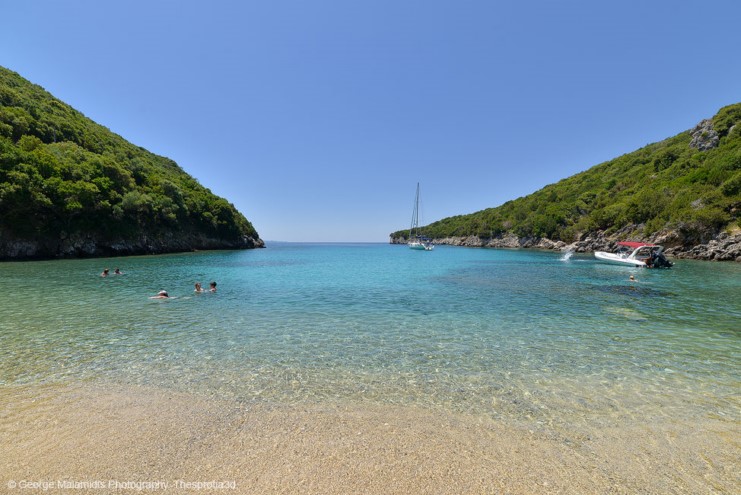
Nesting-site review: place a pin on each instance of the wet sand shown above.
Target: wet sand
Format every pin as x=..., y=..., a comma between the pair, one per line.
x=102, y=434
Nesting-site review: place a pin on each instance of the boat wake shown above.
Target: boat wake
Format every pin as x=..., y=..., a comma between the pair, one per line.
x=567, y=255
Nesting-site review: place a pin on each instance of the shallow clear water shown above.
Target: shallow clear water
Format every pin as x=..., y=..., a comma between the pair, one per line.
x=518, y=334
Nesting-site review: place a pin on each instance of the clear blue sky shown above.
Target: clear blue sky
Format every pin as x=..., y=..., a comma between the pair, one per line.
x=318, y=118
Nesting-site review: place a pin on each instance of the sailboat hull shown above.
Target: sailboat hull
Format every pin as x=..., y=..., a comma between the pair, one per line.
x=419, y=246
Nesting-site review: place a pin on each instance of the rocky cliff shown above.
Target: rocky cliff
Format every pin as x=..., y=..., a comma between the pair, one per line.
x=92, y=245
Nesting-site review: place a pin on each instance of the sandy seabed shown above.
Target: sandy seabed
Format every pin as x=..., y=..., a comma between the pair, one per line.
x=114, y=439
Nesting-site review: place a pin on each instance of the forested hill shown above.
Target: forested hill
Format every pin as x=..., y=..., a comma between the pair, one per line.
x=684, y=191
x=70, y=187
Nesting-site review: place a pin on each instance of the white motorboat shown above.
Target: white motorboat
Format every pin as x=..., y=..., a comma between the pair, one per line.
x=637, y=254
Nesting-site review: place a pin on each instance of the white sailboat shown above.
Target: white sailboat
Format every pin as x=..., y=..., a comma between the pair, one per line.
x=417, y=241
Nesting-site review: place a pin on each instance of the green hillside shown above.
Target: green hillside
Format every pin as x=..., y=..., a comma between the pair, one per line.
x=71, y=187
x=690, y=183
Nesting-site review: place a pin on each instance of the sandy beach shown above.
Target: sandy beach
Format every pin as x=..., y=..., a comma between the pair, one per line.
x=113, y=439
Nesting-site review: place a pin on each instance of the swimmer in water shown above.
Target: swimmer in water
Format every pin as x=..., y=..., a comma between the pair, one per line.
x=161, y=295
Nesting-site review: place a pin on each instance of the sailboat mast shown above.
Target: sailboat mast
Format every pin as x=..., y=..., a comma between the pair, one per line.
x=415, y=215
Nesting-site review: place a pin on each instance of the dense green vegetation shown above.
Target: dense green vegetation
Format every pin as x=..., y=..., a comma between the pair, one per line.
x=664, y=186
x=62, y=174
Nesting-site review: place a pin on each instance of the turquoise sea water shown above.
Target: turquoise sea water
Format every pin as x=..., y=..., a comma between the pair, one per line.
x=516, y=334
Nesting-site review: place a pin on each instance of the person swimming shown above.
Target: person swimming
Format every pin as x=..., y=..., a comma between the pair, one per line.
x=213, y=286
x=105, y=273
x=161, y=295
x=199, y=288
x=117, y=272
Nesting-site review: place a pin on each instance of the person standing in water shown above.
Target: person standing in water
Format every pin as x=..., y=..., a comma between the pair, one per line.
x=213, y=286
x=199, y=288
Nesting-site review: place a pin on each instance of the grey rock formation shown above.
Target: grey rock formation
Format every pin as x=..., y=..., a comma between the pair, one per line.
x=723, y=248
x=704, y=136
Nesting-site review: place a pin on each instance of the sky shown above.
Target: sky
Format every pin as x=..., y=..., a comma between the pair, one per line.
x=317, y=119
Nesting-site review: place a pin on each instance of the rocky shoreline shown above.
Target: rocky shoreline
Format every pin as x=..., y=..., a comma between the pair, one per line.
x=91, y=246
x=723, y=247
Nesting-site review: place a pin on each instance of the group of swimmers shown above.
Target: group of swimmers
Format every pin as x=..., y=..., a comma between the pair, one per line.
x=164, y=295
x=211, y=287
